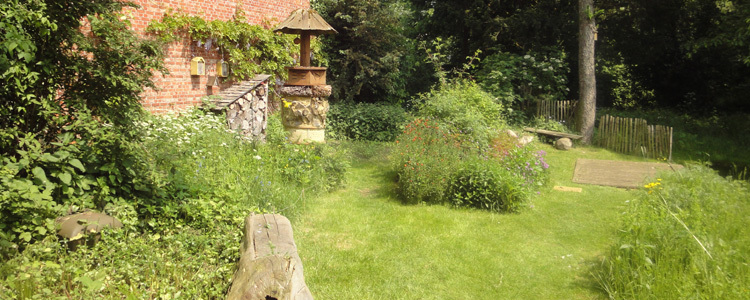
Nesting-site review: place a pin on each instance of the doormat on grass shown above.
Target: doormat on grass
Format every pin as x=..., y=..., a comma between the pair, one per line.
x=623, y=174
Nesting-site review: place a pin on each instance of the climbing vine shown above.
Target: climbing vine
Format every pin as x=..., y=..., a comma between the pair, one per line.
x=249, y=49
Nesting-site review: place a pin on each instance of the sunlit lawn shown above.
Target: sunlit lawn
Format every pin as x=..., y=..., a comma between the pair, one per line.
x=363, y=243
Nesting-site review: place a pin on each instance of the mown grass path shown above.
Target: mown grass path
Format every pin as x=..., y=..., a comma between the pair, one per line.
x=361, y=242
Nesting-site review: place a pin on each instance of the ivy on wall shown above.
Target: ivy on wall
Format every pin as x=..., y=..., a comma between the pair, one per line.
x=249, y=49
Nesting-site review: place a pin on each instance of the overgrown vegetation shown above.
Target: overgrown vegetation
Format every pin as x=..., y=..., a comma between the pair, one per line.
x=463, y=107
x=365, y=121
x=67, y=138
x=520, y=81
x=367, y=54
x=456, y=153
x=684, y=237
x=250, y=49
x=189, y=240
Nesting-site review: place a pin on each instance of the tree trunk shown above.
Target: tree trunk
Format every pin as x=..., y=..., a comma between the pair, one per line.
x=269, y=266
x=586, y=113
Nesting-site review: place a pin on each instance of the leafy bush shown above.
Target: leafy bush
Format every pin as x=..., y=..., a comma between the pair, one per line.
x=213, y=178
x=69, y=100
x=425, y=155
x=528, y=165
x=621, y=88
x=464, y=108
x=434, y=165
x=487, y=185
x=518, y=81
x=367, y=53
x=684, y=237
x=549, y=124
x=364, y=121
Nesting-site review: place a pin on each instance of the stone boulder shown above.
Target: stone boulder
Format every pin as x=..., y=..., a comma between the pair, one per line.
x=563, y=144
x=77, y=227
x=525, y=140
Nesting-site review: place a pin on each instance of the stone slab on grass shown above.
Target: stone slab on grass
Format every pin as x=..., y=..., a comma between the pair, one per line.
x=622, y=174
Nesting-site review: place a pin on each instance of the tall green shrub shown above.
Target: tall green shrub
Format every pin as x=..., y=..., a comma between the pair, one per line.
x=425, y=155
x=364, y=121
x=686, y=236
x=365, y=56
x=520, y=80
x=66, y=124
x=464, y=108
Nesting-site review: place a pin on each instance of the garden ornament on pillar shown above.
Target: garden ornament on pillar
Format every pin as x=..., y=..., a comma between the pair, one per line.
x=305, y=93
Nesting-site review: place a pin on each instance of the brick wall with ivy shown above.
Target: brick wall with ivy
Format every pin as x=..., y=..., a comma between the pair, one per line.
x=178, y=89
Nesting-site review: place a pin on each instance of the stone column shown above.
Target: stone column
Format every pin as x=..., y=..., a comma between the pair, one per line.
x=305, y=104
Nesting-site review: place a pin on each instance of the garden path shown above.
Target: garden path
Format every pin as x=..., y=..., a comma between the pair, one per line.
x=624, y=174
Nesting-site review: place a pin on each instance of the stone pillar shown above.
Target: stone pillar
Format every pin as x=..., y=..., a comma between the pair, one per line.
x=305, y=104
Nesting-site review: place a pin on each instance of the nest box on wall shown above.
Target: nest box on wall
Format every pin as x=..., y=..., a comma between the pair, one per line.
x=222, y=68
x=197, y=66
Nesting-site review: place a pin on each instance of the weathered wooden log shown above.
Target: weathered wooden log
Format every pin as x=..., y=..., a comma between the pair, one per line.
x=269, y=266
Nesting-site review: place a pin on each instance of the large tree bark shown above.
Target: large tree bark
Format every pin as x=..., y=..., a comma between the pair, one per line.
x=586, y=113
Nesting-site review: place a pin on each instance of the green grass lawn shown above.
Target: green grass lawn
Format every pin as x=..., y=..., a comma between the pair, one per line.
x=361, y=242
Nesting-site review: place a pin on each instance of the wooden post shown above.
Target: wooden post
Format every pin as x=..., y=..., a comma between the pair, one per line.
x=671, y=131
x=304, y=49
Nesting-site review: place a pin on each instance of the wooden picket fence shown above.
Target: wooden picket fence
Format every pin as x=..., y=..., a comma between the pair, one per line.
x=635, y=136
x=561, y=111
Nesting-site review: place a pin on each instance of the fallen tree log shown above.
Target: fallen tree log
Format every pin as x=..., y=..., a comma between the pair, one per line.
x=269, y=266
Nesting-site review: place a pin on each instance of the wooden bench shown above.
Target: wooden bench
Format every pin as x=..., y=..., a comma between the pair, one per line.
x=555, y=134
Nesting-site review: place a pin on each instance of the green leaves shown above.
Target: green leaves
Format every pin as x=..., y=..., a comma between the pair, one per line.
x=39, y=174
x=364, y=121
x=77, y=163
x=250, y=49
x=486, y=185
x=367, y=53
x=65, y=178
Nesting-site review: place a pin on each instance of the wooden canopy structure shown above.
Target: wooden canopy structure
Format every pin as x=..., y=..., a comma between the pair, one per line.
x=305, y=22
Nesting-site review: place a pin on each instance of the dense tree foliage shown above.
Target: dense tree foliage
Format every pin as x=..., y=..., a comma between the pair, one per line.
x=367, y=53
x=71, y=74
x=675, y=53
x=492, y=26
x=689, y=53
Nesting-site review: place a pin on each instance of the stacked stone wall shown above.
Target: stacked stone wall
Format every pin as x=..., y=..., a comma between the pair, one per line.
x=249, y=114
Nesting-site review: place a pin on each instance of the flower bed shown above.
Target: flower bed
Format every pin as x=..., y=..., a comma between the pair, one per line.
x=435, y=165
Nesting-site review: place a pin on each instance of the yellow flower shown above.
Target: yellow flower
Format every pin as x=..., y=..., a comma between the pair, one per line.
x=286, y=103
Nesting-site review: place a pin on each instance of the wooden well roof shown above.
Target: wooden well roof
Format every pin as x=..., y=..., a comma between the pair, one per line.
x=307, y=20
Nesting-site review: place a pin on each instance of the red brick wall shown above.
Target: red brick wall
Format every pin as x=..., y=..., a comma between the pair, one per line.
x=178, y=89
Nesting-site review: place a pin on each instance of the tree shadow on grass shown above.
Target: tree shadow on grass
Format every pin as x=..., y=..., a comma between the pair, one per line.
x=589, y=279
x=390, y=185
